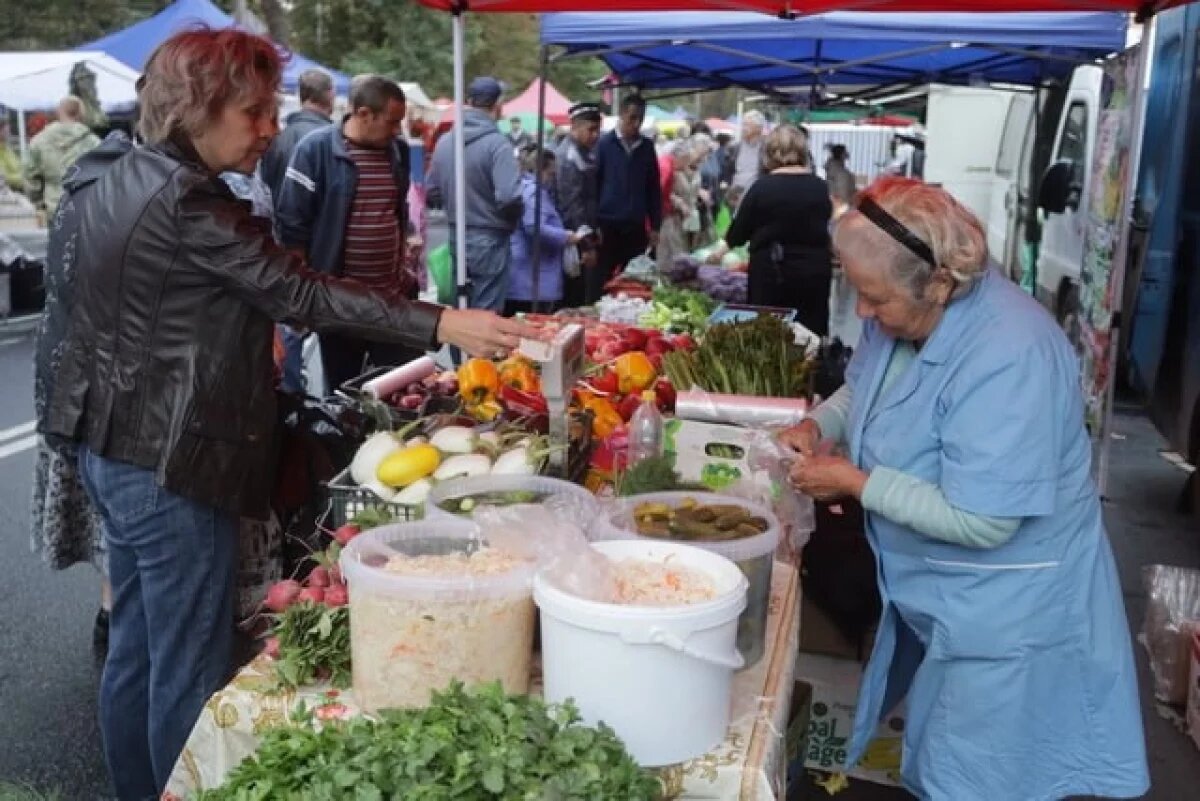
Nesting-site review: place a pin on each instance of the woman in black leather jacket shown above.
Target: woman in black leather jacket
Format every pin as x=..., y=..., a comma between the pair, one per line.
x=166, y=379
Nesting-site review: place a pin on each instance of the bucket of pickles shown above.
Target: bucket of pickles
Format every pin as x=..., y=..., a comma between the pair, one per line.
x=740, y=530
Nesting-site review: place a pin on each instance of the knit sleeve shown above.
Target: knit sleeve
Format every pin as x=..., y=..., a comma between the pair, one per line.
x=923, y=507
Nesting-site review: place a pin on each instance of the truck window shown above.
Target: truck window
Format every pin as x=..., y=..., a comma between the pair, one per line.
x=1012, y=143
x=1073, y=147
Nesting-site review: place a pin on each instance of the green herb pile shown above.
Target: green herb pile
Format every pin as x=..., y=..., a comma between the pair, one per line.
x=754, y=357
x=678, y=310
x=472, y=745
x=314, y=640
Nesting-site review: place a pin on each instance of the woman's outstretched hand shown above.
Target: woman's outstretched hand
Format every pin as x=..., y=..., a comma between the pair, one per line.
x=484, y=333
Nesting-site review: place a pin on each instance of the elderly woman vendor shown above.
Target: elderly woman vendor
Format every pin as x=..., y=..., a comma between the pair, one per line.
x=1003, y=622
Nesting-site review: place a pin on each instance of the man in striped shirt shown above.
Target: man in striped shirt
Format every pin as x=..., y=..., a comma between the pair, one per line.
x=343, y=204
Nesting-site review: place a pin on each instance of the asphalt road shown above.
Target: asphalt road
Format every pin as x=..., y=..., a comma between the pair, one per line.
x=48, y=675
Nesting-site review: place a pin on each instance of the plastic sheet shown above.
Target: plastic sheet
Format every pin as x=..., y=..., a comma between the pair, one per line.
x=561, y=549
x=1172, y=615
x=747, y=410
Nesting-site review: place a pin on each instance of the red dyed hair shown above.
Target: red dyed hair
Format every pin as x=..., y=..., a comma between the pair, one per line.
x=191, y=77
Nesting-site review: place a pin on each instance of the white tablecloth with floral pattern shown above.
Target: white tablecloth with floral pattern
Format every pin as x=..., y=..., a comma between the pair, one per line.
x=750, y=765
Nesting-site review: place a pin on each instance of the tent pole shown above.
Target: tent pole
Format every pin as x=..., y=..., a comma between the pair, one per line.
x=536, y=250
x=22, y=135
x=460, y=169
x=1121, y=255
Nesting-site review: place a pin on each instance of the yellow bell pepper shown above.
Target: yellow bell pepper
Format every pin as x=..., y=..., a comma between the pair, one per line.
x=519, y=373
x=478, y=381
x=605, y=418
x=635, y=372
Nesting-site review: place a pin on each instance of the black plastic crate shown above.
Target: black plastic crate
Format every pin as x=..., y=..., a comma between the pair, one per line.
x=347, y=500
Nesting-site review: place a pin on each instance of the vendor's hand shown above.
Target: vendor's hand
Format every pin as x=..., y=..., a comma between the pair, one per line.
x=484, y=333
x=802, y=438
x=573, y=238
x=828, y=478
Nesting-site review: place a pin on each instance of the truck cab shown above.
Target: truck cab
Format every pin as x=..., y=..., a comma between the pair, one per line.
x=1064, y=192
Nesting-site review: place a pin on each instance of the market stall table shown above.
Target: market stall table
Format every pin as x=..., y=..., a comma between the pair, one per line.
x=750, y=765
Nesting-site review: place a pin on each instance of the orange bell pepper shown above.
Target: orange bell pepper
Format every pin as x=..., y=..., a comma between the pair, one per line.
x=635, y=372
x=478, y=381
x=519, y=373
x=605, y=419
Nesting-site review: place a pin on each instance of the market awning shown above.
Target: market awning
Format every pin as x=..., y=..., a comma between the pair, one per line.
x=793, y=8
x=558, y=107
x=707, y=50
x=134, y=44
x=36, y=81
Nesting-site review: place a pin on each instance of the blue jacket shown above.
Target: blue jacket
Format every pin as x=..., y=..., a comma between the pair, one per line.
x=313, y=206
x=554, y=239
x=628, y=182
x=493, y=179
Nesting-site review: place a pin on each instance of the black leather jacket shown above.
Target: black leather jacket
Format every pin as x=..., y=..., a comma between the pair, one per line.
x=168, y=359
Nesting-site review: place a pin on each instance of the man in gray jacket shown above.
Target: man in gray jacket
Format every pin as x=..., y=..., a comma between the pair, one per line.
x=493, y=196
x=315, y=89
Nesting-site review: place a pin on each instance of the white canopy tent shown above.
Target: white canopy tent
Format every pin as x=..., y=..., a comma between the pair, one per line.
x=36, y=81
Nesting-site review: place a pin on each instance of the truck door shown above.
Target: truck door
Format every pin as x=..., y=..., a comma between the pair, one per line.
x=1011, y=174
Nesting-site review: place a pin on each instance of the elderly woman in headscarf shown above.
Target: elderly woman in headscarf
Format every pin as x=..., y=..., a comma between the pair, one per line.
x=963, y=428
x=681, y=205
x=165, y=378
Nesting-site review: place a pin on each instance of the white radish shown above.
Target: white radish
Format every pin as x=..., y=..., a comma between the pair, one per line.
x=454, y=439
x=491, y=439
x=513, y=463
x=415, y=441
x=369, y=456
x=383, y=491
x=467, y=464
x=414, y=494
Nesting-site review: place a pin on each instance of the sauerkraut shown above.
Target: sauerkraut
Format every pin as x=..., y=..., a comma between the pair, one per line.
x=407, y=642
x=643, y=583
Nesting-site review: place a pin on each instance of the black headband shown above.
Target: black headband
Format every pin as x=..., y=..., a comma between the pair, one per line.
x=896, y=230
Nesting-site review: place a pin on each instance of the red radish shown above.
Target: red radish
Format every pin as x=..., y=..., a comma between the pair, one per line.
x=282, y=594
x=319, y=577
x=412, y=402
x=346, y=533
x=271, y=647
x=314, y=595
x=337, y=595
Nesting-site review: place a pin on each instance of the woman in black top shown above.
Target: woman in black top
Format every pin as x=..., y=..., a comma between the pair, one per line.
x=785, y=219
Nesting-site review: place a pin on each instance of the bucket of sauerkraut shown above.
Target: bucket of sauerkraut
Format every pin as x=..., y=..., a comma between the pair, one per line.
x=432, y=602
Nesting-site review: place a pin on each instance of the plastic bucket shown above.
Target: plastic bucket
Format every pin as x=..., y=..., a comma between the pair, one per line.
x=661, y=677
x=754, y=555
x=574, y=503
x=413, y=634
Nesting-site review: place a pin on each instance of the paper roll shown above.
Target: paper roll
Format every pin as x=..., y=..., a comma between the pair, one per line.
x=748, y=410
x=399, y=378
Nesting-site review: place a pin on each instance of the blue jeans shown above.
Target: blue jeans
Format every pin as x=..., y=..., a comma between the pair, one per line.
x=488, y=257
x=172, y=567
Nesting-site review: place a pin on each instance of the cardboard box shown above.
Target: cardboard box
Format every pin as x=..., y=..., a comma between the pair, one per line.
x=1193, y=707
x=713, y=454
x=834, y=684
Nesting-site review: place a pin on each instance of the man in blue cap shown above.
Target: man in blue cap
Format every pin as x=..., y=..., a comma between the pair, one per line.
x=493, y=193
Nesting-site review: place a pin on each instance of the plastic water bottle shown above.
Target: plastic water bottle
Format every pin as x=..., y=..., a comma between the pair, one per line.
x=645, y=431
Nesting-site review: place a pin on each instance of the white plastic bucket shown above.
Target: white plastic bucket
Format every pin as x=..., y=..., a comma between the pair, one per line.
x=754, y=555
x=411, y=635
x=661, y=677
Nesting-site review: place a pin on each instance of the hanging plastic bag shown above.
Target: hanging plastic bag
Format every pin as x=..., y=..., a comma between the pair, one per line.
x=571, y=266
x=1172, y=614
x=441, y=270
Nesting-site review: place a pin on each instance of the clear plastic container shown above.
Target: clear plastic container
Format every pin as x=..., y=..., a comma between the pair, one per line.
x=755, y=555
x=412, y=634
x=570, y=501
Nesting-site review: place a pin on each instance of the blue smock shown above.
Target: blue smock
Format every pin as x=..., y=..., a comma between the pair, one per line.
x=1016, y=661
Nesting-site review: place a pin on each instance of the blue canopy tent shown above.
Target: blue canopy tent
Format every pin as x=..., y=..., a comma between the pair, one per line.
x=134, y=44
x=711, y=50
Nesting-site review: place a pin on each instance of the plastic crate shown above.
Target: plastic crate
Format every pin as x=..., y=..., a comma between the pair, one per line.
x=347, y=500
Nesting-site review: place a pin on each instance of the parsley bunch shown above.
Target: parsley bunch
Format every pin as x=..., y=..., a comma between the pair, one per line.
x=475, y=745
x=314, y=642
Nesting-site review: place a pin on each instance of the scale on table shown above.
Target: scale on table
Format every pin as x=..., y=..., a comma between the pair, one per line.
x=562, y=360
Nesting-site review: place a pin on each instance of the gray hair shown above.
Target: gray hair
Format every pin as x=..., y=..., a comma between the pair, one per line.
x=952, y=232
x=314, y=86
x=374, y=92
x=755, y=118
